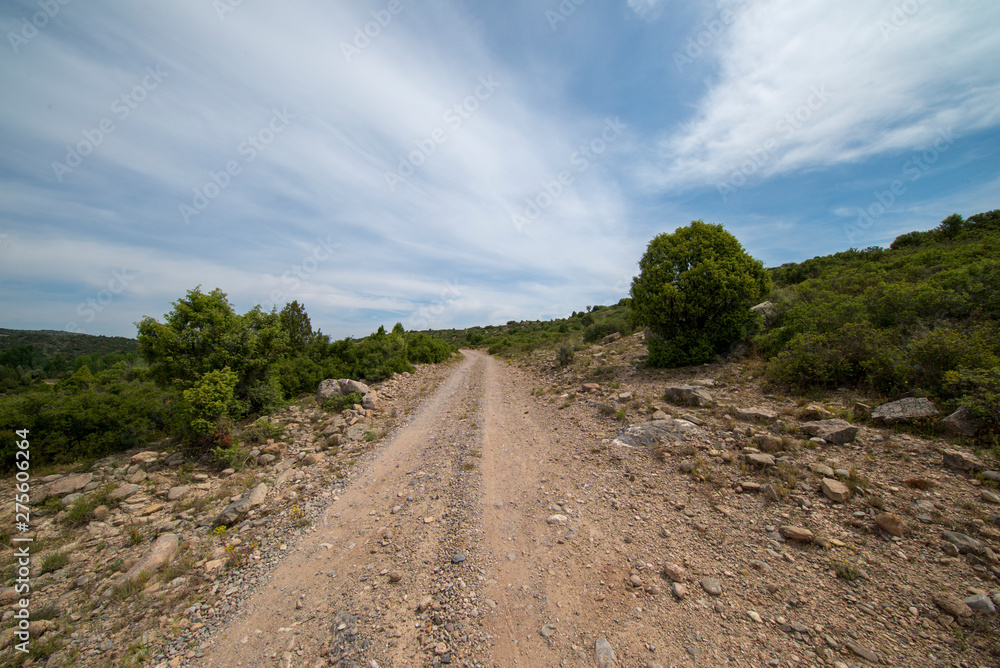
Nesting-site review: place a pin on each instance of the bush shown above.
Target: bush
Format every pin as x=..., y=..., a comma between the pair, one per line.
x=694, y=291
x=565, y=355
x=210, y=400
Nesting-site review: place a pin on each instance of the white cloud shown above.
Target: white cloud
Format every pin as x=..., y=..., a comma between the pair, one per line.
x=809, y=85
x=647, y=9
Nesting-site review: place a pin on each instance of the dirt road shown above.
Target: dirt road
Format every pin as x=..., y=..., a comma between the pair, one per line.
x=454, y=506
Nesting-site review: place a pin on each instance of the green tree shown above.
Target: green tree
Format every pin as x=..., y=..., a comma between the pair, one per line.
x=694, y=292
x=295, y=323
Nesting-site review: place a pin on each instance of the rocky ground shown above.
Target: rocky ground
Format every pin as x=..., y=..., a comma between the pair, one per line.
x=531, y=514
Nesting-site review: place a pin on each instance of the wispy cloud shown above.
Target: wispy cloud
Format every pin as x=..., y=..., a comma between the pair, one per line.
x=893, y=78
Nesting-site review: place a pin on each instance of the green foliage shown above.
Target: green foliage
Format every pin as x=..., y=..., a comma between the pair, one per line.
x=211, y=399
x=924, y=314
x=694, y=291
x=565, y=355
x=336, y=404
x=54, y=561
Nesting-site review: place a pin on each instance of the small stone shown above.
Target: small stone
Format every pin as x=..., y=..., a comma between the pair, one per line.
x=178, y=493
x=981, y=603
x=890, y=523
x=557, y=519
x=395, y=576
x=457, y=558
x=989, y=497
x=965, y=544
x=425, y=603
x=760, y=459
x=796, y=533
x=674, y=572
x=835, y=491
x=635, y=581
x=712, y=586
x=604, y=655
x=752, y=614
x=678, y=590
x=962, y=461
x=862, y=651
x=952, y=604
x=547, y=631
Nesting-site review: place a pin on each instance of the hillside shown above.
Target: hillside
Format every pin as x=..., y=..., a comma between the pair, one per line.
x=49, y=343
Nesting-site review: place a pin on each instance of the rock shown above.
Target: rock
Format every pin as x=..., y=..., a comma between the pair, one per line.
x=313, y=458
x=796, y=533
x=832, y=431
x=611, y=338
x=63, y=486
x=962, y=422
x=213, y=565
x=822, y=469
x=835, y=491
x=766, y=309
x=659, y=415
x=769, y=443
x=266, y=459
x=145, y=457
x=395, y=576
x=590, y=387
x=760, y=459
x=755, y=414
x=604, y=655
x=962, y=461
x=965, y=544
x=712, y=586
x=890, y=523
x=338, y=388
x=813, y=412
x=547, y=631
x=370, y=401
x=752, y=614
x=674, y=572
x=992, y=475
x=980, y=603
x=232, y=513
x=178, y=493
x=635, y=581
x=679, y=590
x=687, y=395
x=457, y=558
x=657, y=432
x=952, y=604
x=425, y=603
x=904, y=410
x=862, y=651
x=162, y=552
x=149, y=510
x=989, y=497
x=557, y=519
x=687, y=417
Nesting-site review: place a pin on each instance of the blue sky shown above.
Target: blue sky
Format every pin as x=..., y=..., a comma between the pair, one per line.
x=445, y=163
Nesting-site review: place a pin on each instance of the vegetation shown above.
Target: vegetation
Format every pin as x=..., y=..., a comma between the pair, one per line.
x=920, y=316
x=203, y=369
x=694, y=291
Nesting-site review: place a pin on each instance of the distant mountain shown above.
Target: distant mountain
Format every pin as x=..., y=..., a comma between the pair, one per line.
x=49, y=343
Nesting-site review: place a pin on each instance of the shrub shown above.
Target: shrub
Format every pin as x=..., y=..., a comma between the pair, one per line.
x=210, y=400
x=565, y=355
x=694, y=290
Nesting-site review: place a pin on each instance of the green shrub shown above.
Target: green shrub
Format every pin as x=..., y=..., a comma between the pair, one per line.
x=565, y=355
x=694, y=291
x=337, y=404
x=211, y=399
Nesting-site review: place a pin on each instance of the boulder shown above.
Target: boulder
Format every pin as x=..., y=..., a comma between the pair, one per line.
x=755, y=414
x=123, y=492
x=687, y=395
x=766, y=309
x=796, y=533
x=611, y=338
x=648, y=434
x=962, y=461
x=235, y=511
x=952, y=604
x=330, y=388
x=370, y=401
x=760, y=459
x=162, y=552
x=965, y=544
x=178, y=493
x=962, y=422
x=904, y=410
x=835, y=490
x=348, y=386
x=63, y=486
x=890, y=523
x=831, y=431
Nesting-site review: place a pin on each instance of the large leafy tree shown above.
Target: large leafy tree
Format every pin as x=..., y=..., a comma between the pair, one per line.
x=694, y=292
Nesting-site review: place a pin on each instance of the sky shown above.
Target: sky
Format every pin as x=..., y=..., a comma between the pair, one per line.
x=450, y=163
